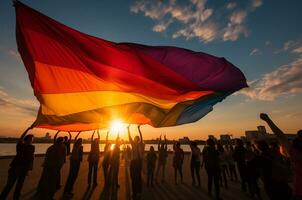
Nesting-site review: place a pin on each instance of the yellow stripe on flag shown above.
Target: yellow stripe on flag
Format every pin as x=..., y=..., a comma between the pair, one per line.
x=70, y=103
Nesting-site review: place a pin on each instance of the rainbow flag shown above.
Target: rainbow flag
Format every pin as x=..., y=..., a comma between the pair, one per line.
x=84, y=82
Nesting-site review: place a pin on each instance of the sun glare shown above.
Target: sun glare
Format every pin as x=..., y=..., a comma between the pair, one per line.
x=112, y=147
x=116, y=126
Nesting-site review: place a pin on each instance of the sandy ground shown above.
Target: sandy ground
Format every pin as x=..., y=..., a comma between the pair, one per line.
x=165, y=191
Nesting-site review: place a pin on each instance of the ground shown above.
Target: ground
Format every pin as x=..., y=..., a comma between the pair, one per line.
x=165, y=191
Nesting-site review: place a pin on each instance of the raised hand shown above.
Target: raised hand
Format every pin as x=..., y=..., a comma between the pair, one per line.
x=140, y=132
x=25, y=132
x=77, y=136
x=264, y=116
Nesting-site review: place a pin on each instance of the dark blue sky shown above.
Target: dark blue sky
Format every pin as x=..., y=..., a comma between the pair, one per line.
x=264, y=41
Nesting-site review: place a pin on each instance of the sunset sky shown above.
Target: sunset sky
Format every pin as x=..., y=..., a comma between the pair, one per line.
x=261, y=37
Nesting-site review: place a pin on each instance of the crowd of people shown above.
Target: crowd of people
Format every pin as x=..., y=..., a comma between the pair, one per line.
x=274, y=165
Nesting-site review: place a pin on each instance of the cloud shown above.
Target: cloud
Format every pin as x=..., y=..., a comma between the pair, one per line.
x=195, y=19
x=255, y=52
x=294, y=115
x=231, y=5
x=284, y=81
x=13, y=104
x=287, y=46
x=297, y=50
x=15, y=55
x=256, y=3
x=268, y=43
x=236, y=26
x=162, y=26
x=16, y=114
x=206, y=32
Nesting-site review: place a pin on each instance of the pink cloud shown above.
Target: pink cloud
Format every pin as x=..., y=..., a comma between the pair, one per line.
x=197, y=19
x=284, y=81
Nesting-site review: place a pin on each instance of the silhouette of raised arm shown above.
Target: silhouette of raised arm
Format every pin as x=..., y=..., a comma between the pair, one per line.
x=76, y=137
x=107, y=135
x=99, y=136
x=24, y=134
x=55, y=137
x=129, y=134
x=92, y=136
x=140, y=133
x=276, y=130
x=70, y=137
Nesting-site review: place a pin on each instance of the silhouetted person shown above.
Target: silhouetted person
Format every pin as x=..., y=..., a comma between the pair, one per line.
x=178, y=159
x=151, y=162
x=93, y=160
x=223, y=165
x=239, y=157
x=76, y=158
x=67, y=142
x=195, y=162
x=231, y=162
x=211, y=163
x=106, y=159
x=274, y=188
x=20, y=165
x=115, y=163
x=162, y=158
x=137, y=149
x=252, y=171
x=127, y=155
x=54, y=159
x=292, y=150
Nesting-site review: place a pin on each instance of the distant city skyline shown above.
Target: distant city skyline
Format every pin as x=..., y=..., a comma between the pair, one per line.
x=262, y=38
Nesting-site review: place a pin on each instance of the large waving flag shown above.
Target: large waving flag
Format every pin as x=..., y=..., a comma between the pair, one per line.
x=83, y=82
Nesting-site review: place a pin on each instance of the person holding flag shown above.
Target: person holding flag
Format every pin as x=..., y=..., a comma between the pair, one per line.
x=137, y=151
x=20, y=165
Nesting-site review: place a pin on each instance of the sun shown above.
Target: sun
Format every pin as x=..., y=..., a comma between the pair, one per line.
x=116, y=126
x=112, y=147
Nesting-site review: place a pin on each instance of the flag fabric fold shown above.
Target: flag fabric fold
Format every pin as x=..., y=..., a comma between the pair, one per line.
x=84, y=82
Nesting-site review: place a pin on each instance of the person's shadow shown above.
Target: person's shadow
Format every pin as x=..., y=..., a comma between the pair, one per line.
x=88, y=193
x=110, y=189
